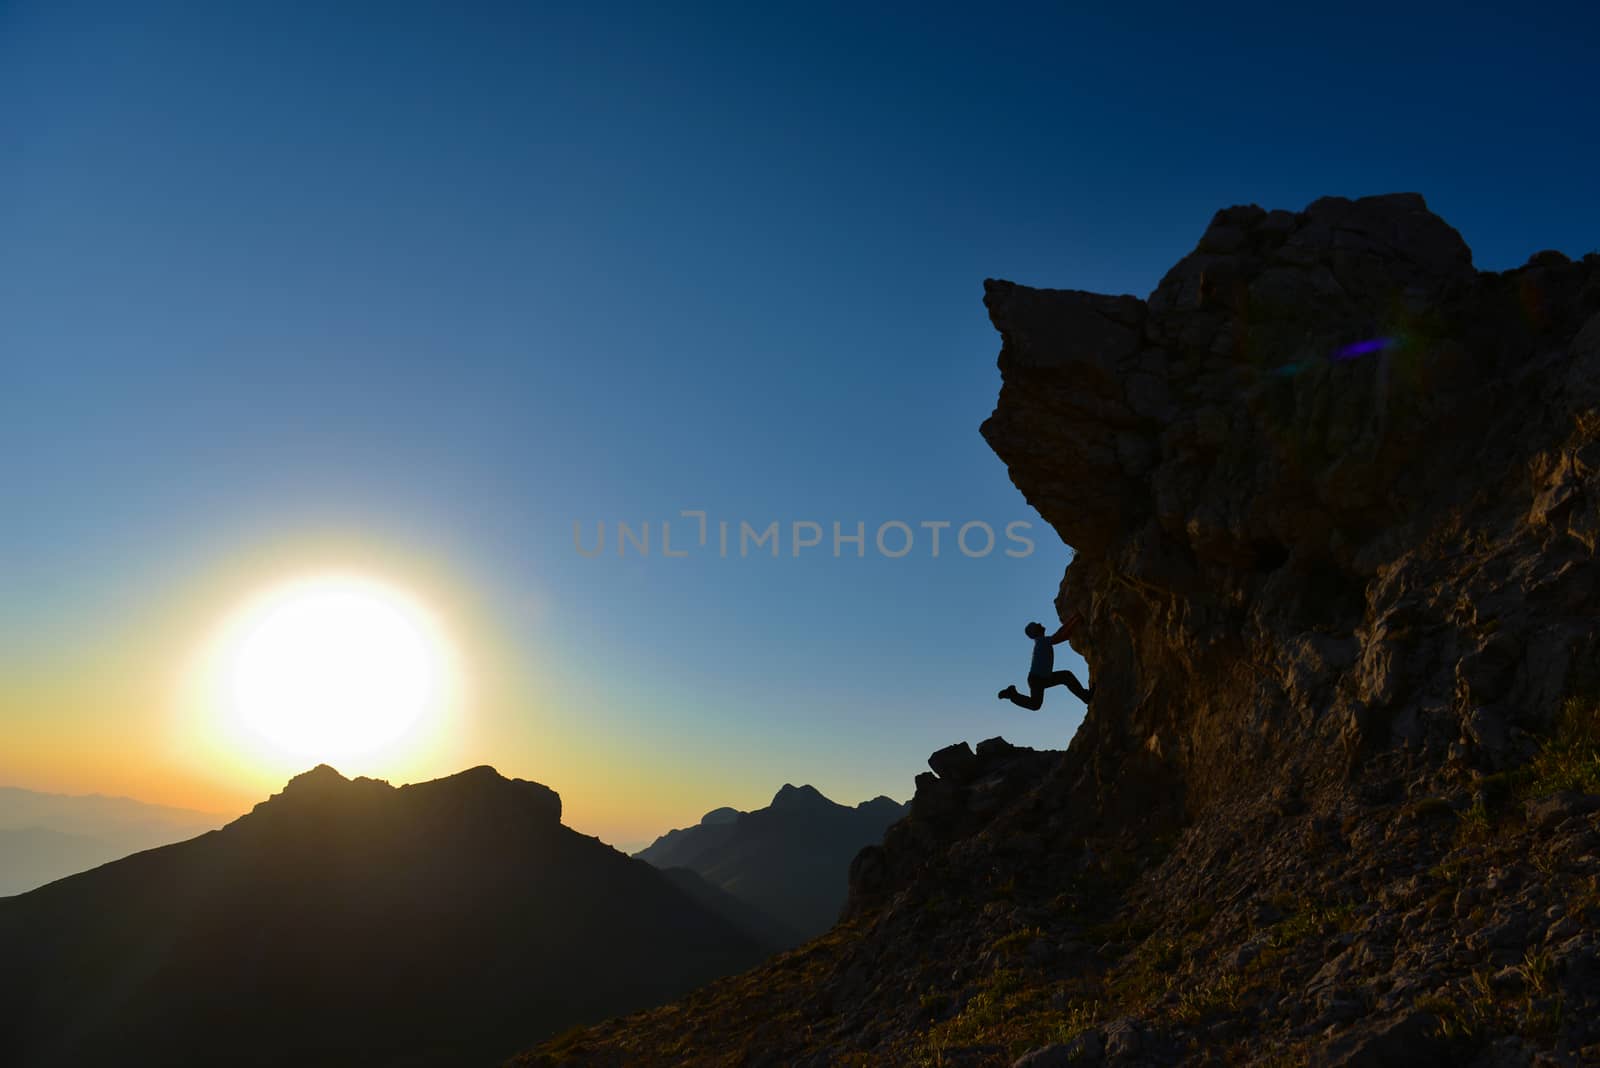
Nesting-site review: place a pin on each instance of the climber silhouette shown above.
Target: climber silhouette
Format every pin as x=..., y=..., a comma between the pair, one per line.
x=1040, y=675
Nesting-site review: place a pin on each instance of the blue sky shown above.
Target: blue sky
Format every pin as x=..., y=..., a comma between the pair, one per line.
x=453, y=276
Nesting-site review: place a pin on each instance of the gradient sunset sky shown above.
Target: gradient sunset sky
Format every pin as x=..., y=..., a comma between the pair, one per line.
x=410, y=288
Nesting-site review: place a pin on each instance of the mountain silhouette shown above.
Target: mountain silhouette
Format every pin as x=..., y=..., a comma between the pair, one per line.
x=788, y=861
x=351, y=922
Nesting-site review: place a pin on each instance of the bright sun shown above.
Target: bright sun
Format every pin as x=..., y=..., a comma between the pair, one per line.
x=331, y=667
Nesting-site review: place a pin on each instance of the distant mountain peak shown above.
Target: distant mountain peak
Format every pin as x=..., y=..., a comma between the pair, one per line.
x=481, y=791
x=798, y=797
x=321, y=784
x=484, y=788
x=788, y=861
x=318, y=790
x=319, y=777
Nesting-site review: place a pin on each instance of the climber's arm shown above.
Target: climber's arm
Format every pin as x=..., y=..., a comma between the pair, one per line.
x=1066, y=630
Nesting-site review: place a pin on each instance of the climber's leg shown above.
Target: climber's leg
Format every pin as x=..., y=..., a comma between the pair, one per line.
x=1070, y=681
x=1033, y=702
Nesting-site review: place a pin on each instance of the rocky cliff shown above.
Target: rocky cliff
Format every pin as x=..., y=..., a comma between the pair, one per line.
x=1334, y=497
x=1326, y=488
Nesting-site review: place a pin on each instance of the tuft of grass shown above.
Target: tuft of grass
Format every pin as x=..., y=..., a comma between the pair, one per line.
x=1474, y=825
x=1536, y=968
x=1078, y=1018
x=1167, y=953
x=1152, y=968
x=1570, y=758
x=1543, y=1022
x=1457, y=1020
x=1017, y=942
x=1013, y=1013
x=1219, y=994
x=1471, y=1019
x=1312, y=918
x=1437, y=1004
x=1476, y=1014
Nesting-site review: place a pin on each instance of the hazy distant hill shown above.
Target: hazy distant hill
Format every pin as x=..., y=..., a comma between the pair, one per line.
x=789, y=861
x=351, y=922
x=44, y=837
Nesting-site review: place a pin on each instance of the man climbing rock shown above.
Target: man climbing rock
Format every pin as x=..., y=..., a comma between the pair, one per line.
x=1041, y=675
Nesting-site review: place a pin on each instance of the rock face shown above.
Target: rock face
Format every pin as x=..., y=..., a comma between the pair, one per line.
x=351, y=922
x=1334, y=497
x=1330, y=491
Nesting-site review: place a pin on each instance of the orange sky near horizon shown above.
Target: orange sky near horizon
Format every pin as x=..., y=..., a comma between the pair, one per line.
x=109, y=713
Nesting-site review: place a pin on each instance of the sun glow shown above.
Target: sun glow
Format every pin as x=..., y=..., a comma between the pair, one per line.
x=332, y=667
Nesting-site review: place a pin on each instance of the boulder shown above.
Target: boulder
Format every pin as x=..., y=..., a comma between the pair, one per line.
x=954, y=763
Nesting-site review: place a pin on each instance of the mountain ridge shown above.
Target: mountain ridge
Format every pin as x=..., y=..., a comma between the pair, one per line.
x=351, y=921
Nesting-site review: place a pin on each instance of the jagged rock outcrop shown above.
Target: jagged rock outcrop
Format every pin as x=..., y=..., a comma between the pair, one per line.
x=1274, y=473
x=1335, y=498
x=955, y=801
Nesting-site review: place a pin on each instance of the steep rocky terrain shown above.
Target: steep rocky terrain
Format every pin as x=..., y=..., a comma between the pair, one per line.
x=350, y=922
x=787, y=861
x=1334, y=496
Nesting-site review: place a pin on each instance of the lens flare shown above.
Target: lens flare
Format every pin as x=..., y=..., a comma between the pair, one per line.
x=1341, y=355
x=1365, y=348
